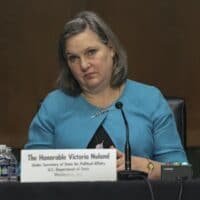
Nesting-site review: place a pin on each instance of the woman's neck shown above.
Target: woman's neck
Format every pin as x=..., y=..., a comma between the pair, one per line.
x=104, y=98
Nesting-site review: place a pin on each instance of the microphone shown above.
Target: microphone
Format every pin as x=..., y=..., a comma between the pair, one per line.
x=128, y=173
x=127, y=148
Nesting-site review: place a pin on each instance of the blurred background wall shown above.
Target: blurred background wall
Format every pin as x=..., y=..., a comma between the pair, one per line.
x=161, y=38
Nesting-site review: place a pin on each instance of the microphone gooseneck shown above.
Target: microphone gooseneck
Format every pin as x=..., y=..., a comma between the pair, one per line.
x=127, y=148
x=128, y=173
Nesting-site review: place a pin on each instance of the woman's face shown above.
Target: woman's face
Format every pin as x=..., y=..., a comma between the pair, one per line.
x=90, y=61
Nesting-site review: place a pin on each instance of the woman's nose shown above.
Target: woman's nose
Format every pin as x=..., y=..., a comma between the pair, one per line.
x=84, y=64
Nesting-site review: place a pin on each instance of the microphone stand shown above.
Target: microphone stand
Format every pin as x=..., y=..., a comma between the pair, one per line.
x=128, y=173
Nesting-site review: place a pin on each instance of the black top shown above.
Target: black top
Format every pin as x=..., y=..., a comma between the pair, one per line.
x=101, y=139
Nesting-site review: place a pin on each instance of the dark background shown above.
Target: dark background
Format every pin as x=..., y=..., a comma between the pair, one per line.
x=161, y=38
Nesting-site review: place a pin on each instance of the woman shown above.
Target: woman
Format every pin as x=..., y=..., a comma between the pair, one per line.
x=81, y=113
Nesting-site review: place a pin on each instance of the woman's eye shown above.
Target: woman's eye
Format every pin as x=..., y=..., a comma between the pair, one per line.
x=72, y=59
x=91, y=52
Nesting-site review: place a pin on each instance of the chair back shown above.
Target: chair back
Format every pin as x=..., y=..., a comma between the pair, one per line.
x=178, y=107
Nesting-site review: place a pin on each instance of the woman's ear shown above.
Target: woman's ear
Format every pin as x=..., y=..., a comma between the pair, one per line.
x=112, y=53
x=111, y=50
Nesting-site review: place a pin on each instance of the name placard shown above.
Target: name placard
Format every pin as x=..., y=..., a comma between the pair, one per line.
x=58, y=165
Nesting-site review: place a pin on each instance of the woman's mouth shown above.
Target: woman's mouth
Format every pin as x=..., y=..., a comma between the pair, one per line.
x=89, y=75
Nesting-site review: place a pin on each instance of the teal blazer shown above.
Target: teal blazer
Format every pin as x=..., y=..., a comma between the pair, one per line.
x=70, y=122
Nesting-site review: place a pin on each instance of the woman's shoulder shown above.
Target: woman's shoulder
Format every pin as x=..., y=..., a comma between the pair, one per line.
x=144, y=95
x=141, y=89
x=58, y=93
x=57, y=99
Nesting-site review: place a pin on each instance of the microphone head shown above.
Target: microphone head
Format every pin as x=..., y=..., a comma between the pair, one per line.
x=119, y=105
